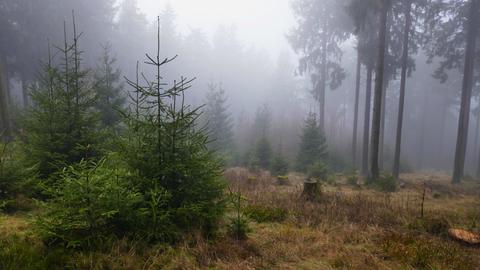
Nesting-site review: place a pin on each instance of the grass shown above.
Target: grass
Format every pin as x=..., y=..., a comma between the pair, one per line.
x=352, y=227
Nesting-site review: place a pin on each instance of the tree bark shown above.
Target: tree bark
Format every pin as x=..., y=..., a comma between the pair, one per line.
x=366, y=125
x=403, y=81
x=311, y=190
x=423, y=129
x=384, y=95
x=477, y=157
x=24, y=91
x=475, y=142
x=374, y=172
x=382, y=126
x=355, y=113
x=462, y=137
x=323, y=82
x=5, y=129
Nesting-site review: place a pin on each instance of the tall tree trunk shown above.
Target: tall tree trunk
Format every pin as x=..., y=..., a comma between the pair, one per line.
x=323, y=84
x=384, y=95
x=374, y=172
x=403, y=82
x=5, y=129
x=366, y=124
x=24, y=91
x=478, y=167
x=423, y=129
x=462, y=137
x=441, y=148
x=476, y=157
x=382, y=126
x=355, y=113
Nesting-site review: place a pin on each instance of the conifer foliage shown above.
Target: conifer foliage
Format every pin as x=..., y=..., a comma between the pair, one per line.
x=61, y=128
x=313, y=148
x=279, y=165
x=110, y=98
x=163, y=182
x=180, y=178
x=260, y=155
x=219, y=122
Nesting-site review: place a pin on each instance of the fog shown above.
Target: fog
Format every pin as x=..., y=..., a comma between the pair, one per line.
x=262, y=24
x=259, y=53
x=239, y=134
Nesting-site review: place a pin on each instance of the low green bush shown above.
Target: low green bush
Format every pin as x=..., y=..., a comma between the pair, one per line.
x=386, y=183
x=435, y=226
x=331, y=180
x=13, y=177
x=279, y=165
x=238, y=226
x=90, y=204
x=261, y=213
x=317, y=171
x=352, y=178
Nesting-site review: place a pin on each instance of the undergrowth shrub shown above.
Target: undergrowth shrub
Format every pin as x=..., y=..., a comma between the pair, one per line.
x=90, y=204
x=386, y=183
x=13, y=176
x=279, y=165
x=352, y=178
x=260, y=213
x=436, y=226
x=238, y=226
x=317, y=171
x=313, y=146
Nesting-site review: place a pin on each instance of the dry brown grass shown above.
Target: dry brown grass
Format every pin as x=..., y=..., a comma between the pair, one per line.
x=349, y=228
x=365, y=218
x=10, y=225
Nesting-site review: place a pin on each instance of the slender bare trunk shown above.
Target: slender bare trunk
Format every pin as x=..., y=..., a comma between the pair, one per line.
x=24, y=91
x=323, y=83
x=462, y=137
x=477, y=157
x=374, y=172
x=421, y=146
x=355, y=113
x=366, y=125
x=382, y=126
x=403, y=82
x=5, y=128
x=384, y=96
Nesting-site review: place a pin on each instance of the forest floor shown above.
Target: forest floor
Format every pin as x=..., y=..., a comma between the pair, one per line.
x=351, y=227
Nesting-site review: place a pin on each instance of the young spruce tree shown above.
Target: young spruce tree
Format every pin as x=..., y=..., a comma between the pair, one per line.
x=110, y=98
x=313, y=148
x=179, y=177
x=219, y=122
x=260, y=155
x=61, y=128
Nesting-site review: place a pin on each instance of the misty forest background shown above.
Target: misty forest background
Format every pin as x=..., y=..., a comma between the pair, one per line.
x=254, y=79
x=117, y=125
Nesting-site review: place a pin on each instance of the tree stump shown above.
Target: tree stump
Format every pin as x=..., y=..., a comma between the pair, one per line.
x=311, y=189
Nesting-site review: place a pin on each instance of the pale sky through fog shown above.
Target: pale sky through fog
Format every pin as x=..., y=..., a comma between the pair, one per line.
x=262, y=23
